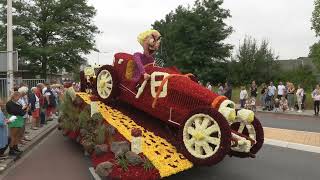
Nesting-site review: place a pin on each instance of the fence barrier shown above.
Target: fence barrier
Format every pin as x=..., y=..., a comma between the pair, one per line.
x=29, y=82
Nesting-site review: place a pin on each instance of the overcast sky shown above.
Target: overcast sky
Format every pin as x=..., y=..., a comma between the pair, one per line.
x=285, y=23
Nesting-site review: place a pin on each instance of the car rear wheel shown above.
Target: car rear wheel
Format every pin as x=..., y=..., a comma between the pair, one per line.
x=106, y=84
x=206, y=137
x=254, y=131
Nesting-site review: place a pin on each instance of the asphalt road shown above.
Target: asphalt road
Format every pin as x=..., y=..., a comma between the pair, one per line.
x=293, y=122
x=56, y=158
x=271, y=163
x=59, y=158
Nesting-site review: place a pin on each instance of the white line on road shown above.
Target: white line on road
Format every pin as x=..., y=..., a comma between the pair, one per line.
x=285, y=144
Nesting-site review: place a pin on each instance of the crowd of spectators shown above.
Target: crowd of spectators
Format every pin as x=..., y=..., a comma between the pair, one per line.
x=35, y=106
x=283, y=97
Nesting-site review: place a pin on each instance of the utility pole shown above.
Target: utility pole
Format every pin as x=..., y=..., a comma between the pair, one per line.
x=9, y=48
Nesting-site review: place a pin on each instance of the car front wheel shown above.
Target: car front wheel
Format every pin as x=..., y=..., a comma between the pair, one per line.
x=206, y=137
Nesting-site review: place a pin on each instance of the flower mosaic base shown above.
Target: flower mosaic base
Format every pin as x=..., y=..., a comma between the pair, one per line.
x=163, y=155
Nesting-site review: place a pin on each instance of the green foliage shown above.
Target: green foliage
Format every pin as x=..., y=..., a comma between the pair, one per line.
x=122, y=161
x=51, y=34
x=301, y=75
x=97, y=117
x=316, y=18
x=147, y=165
x=315, y=54
x=101, y=134
x=70, y=114
x=315, y=48
x=84, y=117
x=193, y=39
x=253, y=62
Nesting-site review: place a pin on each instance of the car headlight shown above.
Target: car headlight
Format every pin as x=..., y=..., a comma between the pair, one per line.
x=246, y=115
x=228, y=113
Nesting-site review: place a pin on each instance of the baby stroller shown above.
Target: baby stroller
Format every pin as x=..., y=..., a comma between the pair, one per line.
x=251, y=104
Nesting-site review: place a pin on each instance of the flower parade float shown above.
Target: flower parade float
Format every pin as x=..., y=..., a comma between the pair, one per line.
x=165, y=125
x=141, y=121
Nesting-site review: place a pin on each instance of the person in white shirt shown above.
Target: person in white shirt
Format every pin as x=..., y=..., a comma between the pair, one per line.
x=281, y=90
x=270, y=95
x=299, y=94
x=316, y=99
x=243, y=96
x=220, y=89
x=209, y=86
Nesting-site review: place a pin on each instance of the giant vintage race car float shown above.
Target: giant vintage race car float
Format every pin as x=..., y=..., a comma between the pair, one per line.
x=209, y=127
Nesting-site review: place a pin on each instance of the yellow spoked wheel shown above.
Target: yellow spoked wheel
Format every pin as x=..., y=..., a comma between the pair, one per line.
x=201, y=136
x=206, y=137
x=106, y=83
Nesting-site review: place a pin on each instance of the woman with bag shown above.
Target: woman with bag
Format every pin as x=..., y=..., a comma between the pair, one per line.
x=16, y=122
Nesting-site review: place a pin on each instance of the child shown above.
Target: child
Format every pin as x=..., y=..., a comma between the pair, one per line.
x=243, y=96
x=276, y=105
x=253, y=104
x=284, y=104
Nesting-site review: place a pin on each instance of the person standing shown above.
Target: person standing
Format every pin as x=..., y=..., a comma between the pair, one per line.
x=299, y=94
x=209, y=86
x=50, y=103
x=270, y=95
x=228, y=90
x=39, y=93
x=291, y=90
x=15, y=112
x=4, y=137
x=316, y=100
x=220, y=89
x=253, y=90
x=243, y=96
x=35, y=108
x=281, y=90
x=263, y=93
x=23, y=101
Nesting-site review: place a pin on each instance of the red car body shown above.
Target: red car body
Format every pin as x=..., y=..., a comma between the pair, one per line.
x=183, y=95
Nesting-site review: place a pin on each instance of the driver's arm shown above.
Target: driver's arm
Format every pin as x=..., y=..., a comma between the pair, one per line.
x=139, y=67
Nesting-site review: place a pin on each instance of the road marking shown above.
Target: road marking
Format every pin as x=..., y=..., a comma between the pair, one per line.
x=290, y=145
x=94, y=174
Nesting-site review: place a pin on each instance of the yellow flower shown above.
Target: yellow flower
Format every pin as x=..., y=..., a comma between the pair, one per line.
x=162, y=154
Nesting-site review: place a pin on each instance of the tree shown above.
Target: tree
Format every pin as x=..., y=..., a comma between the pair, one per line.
x=300, y=75
x=51, y=34
x=315, y=48
x=193, y=39
x=253, y=62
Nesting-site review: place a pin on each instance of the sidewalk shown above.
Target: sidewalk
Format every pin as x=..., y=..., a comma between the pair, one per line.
x=307, y=112
x=293, y=136
x=36, y=136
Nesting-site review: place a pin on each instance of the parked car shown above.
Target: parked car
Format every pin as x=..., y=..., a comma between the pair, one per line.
x=207, y=123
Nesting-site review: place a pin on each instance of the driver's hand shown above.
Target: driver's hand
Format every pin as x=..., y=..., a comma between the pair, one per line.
x=146, y=76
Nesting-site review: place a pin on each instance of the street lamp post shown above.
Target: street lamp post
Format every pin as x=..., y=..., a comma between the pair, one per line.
x=9, y=48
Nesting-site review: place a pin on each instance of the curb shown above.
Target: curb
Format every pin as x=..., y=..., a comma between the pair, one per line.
x=290, y=145
x=266, y=112
x=259, y=110
x=94, y=175
x=37, y=139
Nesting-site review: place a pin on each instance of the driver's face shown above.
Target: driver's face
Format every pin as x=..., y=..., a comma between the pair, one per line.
x=152, y=43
